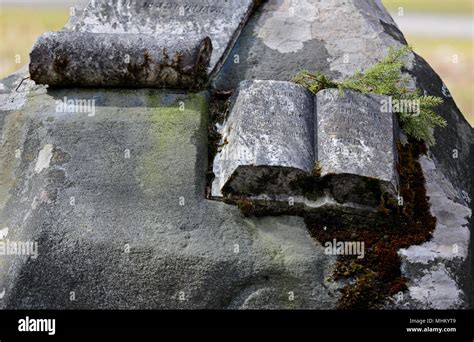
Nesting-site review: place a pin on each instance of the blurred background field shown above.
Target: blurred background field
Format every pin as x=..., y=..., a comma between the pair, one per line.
x=431, y=6
x=441, y=31
x=20, y=26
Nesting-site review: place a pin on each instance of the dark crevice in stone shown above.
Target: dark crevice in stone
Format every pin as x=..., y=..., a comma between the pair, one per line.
x=377, y=276
x=218, y=108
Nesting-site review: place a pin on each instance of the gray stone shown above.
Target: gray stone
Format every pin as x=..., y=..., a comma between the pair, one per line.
x=338, y=38
x=222, y=21
x=191, y=248
x=86, y=187
x=119, y=60
x=285, y=36
x=277, y=132
x=435, y=268
x=356, y=137
x=270, y=129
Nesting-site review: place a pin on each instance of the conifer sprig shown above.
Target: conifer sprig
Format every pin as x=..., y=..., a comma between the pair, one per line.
x=386, y=78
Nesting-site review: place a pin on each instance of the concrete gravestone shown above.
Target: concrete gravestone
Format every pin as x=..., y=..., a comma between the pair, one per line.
x=277, y=132
x=134, y=173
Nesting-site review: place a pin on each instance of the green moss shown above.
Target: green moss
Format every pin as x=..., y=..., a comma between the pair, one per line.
x=317, y=170
x=12, y=136
x=168, y=132
x=314, y=82
x=246, y=207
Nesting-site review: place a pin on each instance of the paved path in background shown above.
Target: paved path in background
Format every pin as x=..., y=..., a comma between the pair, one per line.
x=436, y=25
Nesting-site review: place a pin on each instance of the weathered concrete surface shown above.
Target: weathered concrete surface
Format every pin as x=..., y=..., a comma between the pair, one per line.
x=89, y=187
x=435, y=268
x=270, y=126
x=355, y=137
x=173, y=249
x=121, y=60
x=220, y=20
x=338, y=38
x=284, y=36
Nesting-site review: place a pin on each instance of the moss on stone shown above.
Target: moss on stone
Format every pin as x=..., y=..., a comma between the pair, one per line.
x=378, y=276
x=166, y=126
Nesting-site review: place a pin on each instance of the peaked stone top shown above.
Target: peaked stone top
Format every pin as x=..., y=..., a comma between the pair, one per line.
x=336, y=37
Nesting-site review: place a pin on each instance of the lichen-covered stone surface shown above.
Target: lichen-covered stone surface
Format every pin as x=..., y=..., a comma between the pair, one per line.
x=285, y=36
x=220, y=20
x=270, y=126
x=355, y=137
x=116, y=204
x=436, y=268
x=277, y=133
x=114, y=196
x=120, y=60
x=339, y=38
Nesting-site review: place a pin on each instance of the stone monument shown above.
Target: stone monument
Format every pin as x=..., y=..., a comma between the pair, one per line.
x=115, y=197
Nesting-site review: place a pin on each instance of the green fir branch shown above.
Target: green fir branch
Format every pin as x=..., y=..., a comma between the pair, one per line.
x=386, y=78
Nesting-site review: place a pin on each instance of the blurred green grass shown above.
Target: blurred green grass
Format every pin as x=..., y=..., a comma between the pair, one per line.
x=20, y=26
x=459, y=77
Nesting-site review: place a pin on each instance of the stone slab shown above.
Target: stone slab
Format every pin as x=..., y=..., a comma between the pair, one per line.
x=356, y=137
x=270, y=130
x=222, y=21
